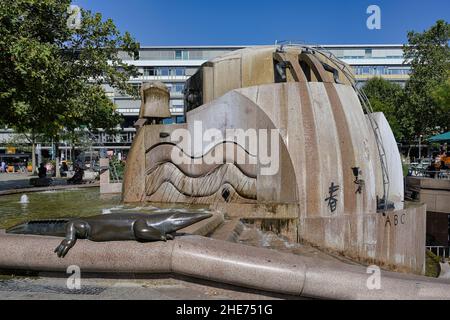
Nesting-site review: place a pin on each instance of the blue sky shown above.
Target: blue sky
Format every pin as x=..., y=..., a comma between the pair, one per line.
x=241, y=22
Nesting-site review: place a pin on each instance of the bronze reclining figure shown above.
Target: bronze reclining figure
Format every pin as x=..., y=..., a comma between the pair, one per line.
x=111, y=227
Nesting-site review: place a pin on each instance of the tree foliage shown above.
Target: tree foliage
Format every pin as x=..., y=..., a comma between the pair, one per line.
x=51, y=75
x=441, y=96
x=422, y=107
x=429, y=55
x=386, y=97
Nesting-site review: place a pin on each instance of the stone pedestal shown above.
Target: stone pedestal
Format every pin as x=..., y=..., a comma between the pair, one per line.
x=105, y=185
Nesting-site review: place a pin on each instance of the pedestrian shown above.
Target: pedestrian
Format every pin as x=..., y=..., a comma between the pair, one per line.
x=64, y=169
x=78, y=175
x=442, y=155
x=3, y=167
x=431, y=170
x=42, y=171
x=446, y=158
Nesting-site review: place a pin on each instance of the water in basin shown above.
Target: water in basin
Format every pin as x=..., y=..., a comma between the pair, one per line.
x=69, y=203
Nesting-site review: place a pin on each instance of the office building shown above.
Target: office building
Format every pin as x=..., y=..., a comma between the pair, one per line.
x=174, y=65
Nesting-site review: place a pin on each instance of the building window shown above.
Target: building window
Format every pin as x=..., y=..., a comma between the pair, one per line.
x=137, y=86
x=399, y=71
x=163, y=71
x=381, y=70
x=176, y=87
x=179, y=87
x=180, y=71
x=181, y=55
x=150, y=71
x=168, y=121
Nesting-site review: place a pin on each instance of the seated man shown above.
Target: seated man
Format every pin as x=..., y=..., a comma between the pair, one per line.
x=42, y=181
x=447, y=159
x=42, y=171
x=431, y=170
x=64, y=168
x=78, y=176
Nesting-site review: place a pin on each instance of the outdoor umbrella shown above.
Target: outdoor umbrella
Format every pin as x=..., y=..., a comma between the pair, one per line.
x=444, y=137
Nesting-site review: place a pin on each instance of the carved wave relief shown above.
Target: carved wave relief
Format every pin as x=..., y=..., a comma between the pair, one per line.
x=230, y=153
x=225, y=182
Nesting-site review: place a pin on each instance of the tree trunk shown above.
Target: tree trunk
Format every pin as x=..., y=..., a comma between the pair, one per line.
x=73, y=151
x=33, y=157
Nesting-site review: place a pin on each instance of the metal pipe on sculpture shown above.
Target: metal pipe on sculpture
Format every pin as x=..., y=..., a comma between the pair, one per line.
x=219, y=261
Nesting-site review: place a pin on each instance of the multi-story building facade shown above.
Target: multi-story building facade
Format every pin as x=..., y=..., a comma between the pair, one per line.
x=370, y=61
x=174, y=65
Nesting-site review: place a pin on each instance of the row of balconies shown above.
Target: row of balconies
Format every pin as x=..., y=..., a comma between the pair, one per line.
x=392, y=77
x=126, y=136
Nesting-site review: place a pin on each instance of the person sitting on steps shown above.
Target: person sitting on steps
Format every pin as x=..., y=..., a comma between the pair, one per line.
x=78, y=176
x=42, y=171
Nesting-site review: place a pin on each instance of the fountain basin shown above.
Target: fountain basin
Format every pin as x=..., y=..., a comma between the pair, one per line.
x=54, y=203
x=221, y=261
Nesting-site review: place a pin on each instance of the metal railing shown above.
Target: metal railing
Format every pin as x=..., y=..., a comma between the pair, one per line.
x=121, y=137
x=422, y=172
x=440, y=251
x=97, y=138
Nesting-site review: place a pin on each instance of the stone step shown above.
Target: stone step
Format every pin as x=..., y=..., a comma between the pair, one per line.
x=205, y=227
x=229, y=230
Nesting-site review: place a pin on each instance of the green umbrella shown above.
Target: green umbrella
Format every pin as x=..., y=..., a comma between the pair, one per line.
x=441, y=137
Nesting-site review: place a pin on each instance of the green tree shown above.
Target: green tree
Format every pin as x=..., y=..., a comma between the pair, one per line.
x=52, y=75
x=429, y=55
x=441, y=96
x=386, y=97
x=84, y=120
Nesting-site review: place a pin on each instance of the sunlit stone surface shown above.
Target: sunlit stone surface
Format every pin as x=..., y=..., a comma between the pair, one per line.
x=328, y=176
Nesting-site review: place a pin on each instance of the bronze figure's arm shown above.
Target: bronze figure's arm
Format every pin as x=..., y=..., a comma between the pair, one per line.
x=75, y=229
